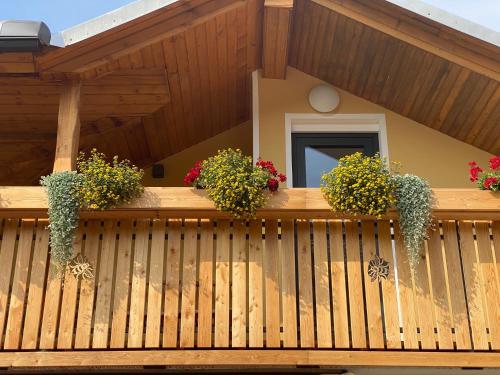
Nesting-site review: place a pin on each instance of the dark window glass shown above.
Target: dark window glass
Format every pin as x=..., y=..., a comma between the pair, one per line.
x=316, y=153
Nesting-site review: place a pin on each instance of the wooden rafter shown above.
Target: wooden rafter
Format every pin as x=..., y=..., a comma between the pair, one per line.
x=276, y=35
x=68, y=126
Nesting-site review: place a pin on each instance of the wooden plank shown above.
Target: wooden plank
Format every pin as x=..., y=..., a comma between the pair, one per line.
x=222, y=285
x=19, y=284
x=68, y=128
x=251, y=358
x=306, y=315
x=255, y=286
x=122, y=279
x=36, y=287
x=372, y=288
x=138, y=288
x=239, y=285
x=322, y=285
x=355, y=286
x=69, y=298
x=104, y=286
x=473, y=286
x=7, y=250
x=406, y=293
x=456, y=290
x=87, y=287
x=288, y=289
x=171, y=317
x=188, y=299
x=491, y=291
x=389, y=291
x=155, y=285
x=276, y=30
x=338, y=285
x=271, y=283
x=495, y=226
x=439, y=281
x=205, y=291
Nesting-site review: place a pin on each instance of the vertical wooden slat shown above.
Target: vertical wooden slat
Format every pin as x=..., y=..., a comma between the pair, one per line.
x=338, y=285
x=322, y=285
x=491, y=292
x=6, y=260
x=171, y=317
x=239, y=290
x=50, y=309
x=271, y=278
x=389, y=292
x=19, y=281
x=456, y=289
x=205, y=291
x=122, y=278
x=355, y=285
x=36, y=287
x=155, y=286
x=222, y=285
x=288, y=291
x=86, y=303
x=69, y=299
x=138, y=289
x=440, y=294
x=406, y=295
x=372, y=289
x=306, y=315
x=473, y=288
x=495, y=226
x=255, y=289
x=188, y=301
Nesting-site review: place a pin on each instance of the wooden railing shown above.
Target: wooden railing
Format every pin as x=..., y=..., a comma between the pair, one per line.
x=171, y=273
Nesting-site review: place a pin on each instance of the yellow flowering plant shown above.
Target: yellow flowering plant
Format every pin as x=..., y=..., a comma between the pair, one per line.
x=359, y=185
x=106, y=185
x=233, y=183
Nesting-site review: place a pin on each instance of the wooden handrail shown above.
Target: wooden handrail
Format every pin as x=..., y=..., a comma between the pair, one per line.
x=31, y=201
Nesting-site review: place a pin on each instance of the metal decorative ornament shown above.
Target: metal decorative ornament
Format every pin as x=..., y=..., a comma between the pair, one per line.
x=378, y=269
x=81, y=268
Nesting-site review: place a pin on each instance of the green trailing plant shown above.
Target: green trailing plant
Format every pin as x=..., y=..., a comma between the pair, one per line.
x=106, y=185
x=359, y=185
x=64, y=213
x=414, y=202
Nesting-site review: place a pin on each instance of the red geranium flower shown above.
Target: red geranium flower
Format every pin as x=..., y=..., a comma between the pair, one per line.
x=193, y=174
x=474, y=171
x=267, y=165
x=273, y=184
x=282, y=177
x=495, y=162
x=489, y=181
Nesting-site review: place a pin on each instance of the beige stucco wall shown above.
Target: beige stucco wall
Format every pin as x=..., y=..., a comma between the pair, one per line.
x=176, y=166
x=440, y=159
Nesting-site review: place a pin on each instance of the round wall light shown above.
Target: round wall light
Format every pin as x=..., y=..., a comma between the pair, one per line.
x=324, y=98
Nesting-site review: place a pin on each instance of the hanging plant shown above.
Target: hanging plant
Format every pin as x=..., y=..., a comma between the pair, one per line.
x=359, y=185
x=414, y=203
x=64, y=212
x=233, y=183
x=489, y=180
x=106, y=185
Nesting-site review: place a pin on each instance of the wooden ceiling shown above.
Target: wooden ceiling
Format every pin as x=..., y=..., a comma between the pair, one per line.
x=179, y=75
x=395, y=73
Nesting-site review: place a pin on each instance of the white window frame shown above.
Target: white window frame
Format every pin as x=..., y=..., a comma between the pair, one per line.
x=338, y=123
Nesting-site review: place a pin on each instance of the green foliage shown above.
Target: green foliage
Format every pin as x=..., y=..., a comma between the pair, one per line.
x=359, y=185
x=414, y=205
x=106, y=185
x=233, y=183
x=64, y=210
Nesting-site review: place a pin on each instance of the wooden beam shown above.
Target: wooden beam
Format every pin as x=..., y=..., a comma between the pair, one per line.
x=403, y=30
x=249, y=358
x=451, y=204
x=276, y=35
x=68, y=127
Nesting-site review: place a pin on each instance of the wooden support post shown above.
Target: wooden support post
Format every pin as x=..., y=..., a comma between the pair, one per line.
x=68, y=126
x=276, y=35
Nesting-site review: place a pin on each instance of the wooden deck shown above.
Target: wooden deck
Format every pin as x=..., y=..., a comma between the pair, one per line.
x=178, y=290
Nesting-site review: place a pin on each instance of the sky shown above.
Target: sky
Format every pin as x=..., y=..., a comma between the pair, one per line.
x=62, y=14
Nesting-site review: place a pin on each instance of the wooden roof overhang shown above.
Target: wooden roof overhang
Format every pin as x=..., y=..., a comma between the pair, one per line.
x=169, y=79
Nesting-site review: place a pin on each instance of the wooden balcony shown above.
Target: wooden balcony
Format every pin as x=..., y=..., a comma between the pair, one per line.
x=178, y=283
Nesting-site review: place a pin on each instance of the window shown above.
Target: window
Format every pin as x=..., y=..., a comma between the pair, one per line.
x=316, y=153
